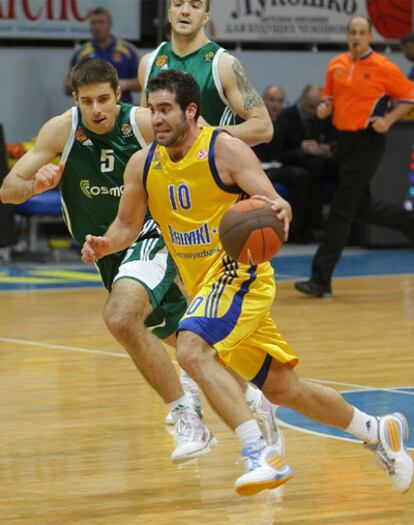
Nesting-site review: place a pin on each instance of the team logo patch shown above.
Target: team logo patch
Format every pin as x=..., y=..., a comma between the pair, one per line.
x=80, y=135
x=126, y=130
x=117, y=57
x=202, y=154
x=208, y=57
x=161, y=61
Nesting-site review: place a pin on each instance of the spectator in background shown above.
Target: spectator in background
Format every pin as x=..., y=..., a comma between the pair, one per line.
x=305, y=141
x=295, y=179
x=121, y=54
x=407, y=47
x=362, y=124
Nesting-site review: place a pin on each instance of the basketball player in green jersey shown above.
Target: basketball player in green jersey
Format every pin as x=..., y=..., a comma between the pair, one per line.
x=189, y=177
x=225, y=88
x=225, y=91
x=95, y=140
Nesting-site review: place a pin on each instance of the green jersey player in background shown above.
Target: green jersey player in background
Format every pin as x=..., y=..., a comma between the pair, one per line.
x=95, y=139
x=226, y=93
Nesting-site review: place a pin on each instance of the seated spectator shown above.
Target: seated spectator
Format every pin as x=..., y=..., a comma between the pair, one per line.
x=295, y=179
x=307, y=142
x=121, y=54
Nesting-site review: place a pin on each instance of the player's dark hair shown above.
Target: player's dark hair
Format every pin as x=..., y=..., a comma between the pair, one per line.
x=368, y=21
x=101, y=11
x=408, y=38
x=182, y=85
x=93, y=71
x=207, y=5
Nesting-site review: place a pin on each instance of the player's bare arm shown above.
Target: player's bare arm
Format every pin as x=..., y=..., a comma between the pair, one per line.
x=237, y=164
x=142, y=68
x=143, y=121
x=245, y=101
x=34, y=173
x=131, y=213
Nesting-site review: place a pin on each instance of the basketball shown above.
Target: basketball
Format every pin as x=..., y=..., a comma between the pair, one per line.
x=391, y=19
x=250, y=232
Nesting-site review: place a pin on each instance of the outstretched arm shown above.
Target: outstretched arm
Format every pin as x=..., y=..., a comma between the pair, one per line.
x=33, y=173
x=246, y=102
x=131, y=213
x=141, y=78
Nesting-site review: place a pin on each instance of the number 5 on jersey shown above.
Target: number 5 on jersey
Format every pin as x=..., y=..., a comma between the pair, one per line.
x=107, y=160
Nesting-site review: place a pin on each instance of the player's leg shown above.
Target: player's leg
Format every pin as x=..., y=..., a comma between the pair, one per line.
x=385, y=435
x=142, y=281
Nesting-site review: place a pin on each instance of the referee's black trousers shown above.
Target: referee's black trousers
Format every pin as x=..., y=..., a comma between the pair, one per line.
x=358, y=157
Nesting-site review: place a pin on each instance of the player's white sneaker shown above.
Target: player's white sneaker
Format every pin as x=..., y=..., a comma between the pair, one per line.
x=391, y=452
x=190, y=387
x=264, y=469
x=192, y=437
x=265, y=414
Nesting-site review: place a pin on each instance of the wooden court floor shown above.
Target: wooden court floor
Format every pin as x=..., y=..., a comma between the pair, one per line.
x=83, y=440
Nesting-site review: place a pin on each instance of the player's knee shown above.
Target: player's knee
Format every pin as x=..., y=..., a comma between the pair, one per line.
x=122, y=324
x=189, y=351
x=282, y=389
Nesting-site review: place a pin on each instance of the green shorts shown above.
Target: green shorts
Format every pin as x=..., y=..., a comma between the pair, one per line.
x=148, y=262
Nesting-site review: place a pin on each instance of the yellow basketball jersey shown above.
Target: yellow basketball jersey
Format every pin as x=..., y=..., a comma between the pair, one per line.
x=188, y=200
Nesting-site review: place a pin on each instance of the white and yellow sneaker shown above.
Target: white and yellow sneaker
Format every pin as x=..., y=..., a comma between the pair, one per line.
x=192, y=438
x=391, y=452
x=264, y=469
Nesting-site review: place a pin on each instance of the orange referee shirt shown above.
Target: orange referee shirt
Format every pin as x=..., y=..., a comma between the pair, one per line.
x=361, y=89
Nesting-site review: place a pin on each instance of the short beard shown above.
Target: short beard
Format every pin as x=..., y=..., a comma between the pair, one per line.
x=175, y=138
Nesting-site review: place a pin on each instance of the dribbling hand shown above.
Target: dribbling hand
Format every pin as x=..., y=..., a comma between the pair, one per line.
x=94, y=248
x=47, y=177
x=281, y=207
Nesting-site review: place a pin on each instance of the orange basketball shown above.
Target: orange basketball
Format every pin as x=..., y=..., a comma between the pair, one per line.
x=250, y=232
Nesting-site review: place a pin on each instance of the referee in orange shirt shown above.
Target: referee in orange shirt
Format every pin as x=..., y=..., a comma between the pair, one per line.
x=358, y=90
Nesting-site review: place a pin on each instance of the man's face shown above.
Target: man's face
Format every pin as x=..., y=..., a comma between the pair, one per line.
x=98, y=105
x=408, y=50
x=100, y=26
x=169, y=122
x=359, y=36
x=187, y=17
x=274, y=100
x=310, y=102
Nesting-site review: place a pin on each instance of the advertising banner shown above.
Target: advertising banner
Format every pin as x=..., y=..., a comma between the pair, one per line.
x=314, y=21
x=65, y=19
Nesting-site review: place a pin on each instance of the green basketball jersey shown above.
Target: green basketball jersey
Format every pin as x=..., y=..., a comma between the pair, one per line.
x=92, y=181
x=203, y=66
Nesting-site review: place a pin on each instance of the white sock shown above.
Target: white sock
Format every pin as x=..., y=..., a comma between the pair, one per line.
x=249, y=432
x=184, y=404
x=364, y=426
x=251, y=394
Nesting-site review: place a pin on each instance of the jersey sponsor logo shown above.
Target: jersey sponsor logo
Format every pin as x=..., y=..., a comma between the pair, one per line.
x=202, y=154
x=195, y=237
x=96, y=191
x=126, y=130
x=208, y=57
x=161, y=61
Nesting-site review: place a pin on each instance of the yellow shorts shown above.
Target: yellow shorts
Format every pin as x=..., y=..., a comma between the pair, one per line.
x=231, y=311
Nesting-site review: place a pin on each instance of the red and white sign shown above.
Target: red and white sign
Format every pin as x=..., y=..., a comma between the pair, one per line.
x=65, y=19
x=313, y=21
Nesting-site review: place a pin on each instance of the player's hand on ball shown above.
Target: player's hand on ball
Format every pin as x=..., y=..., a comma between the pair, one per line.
x=281, y=207
x=47, y=177
x=94, y=248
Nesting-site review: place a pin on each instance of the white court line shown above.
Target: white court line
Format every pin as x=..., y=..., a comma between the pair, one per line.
x=25, y=342
x=63, y=347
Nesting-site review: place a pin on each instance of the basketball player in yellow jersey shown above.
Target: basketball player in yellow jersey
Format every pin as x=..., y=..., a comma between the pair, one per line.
x=189, y=177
